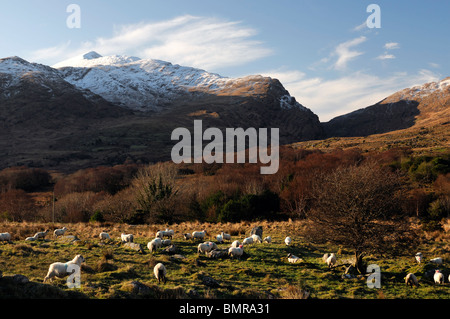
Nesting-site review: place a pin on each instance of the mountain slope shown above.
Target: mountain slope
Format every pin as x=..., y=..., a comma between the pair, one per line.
x=108, y=110
x=421, y=105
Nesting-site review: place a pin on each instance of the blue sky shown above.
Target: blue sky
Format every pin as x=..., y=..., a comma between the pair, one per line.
x=322, y=51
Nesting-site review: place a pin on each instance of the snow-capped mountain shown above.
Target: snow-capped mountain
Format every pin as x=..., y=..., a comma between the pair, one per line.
x=153, y=84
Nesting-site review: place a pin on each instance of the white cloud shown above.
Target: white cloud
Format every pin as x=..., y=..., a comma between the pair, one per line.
x=385, y=57
x=334, y=97
x=345, y=54
x=188, y=40
x=391, y=46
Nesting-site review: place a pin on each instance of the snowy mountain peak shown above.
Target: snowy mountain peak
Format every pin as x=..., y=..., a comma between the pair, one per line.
x=91, y=55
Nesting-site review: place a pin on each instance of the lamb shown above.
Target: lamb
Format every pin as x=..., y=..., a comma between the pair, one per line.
x=235, y=244
x=5, y=237
x=247, y=241
x=59, y=232
x=204, y=247
x=256, y=238
x=187, y=236
x=41, y=235
x=294, y=259
x=199, y=234
x=234, y=252
x=419, y=257
x=288, y=241
x=127, y=238
x=411, y=280
x=154, y=244
x=104, y=236
x=225, y=236
x=438, y=277
x=331, y=260
x=268, y=239
x=59, y=269
x=160, y=272
x=437, y=261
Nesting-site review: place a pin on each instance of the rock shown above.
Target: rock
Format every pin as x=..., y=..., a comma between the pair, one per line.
x=135, y=246
x=21, y=279
x=140, y=288
x=210, y=282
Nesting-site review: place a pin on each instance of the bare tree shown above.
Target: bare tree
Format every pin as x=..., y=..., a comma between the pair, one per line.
x=357, y=207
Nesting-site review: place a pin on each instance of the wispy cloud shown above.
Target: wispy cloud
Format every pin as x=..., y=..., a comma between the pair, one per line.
x=345, y=53
x=391, y=45
x=385, y=57
x=189, y=40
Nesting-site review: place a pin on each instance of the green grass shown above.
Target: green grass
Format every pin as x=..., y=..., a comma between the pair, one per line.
x=263, y=272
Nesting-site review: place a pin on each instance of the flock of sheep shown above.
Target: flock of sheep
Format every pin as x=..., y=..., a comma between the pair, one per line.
x=209, y=248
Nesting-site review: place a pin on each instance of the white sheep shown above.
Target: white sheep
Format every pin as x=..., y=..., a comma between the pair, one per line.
x=199, y=234
x=225, y=236
x=294, y=259
x=325, y=257
x=438, y=277
x=127, y=238
x=5, y=237
x=187, y=236
x=59, y=232
x=170, y=232
x=219, y=239
x=204, y=247
x=256, y=238
x=411, y=280
x=419, y=257
x=235, y=244
x=331, y=260
x=164, y=233
x=33, y=238
x=104, y=236
x=437, y=261
x=288, y=241
x=268, y=239
x=160, y=272
x=154, y=244
x=59, y=269
x=41, y=234
x=247, y=241
x=236, y=252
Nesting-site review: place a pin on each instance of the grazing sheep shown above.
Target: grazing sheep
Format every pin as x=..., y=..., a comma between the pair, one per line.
x=199, y=234
x=31, y=238
x=419, y=257
x=257, y=231
x=170, y=232
x=166, y=242
x=288, y=241
x=5, y=237
x=154, y=244
x=438, y=277
x=219, y=239
x=164, y=233
x=127, y=238
x=204, y=247
x=325, y=257
x=411, y=280
x=59, y=232
x=217, y=253
x=247, y=241
x=294, y=259
x=225, y=236
x=437, y=261
x=268, y=239
x=234, y=252
x=41, y=235
x=256, y=238
x=160, y=272
x=331, y=260
x=59, y=269
x=235, y=244
x=104, y=236
x=187, y=236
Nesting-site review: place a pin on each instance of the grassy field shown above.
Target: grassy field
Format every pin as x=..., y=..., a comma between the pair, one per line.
x=113, y=271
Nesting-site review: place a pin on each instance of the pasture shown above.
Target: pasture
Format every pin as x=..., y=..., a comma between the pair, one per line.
x=114, y=271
